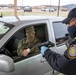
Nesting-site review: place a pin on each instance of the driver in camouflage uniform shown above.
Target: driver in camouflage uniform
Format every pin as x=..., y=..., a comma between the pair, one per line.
x=29, y=44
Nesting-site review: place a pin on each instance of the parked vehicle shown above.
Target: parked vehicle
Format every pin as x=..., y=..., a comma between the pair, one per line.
x=27, y=9
x=18, y=8
x=12, y=31
x=48, y=9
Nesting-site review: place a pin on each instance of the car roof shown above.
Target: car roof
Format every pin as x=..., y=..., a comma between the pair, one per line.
x=20, y=19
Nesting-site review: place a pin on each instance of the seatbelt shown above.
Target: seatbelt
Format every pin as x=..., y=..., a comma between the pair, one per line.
x=31, y=46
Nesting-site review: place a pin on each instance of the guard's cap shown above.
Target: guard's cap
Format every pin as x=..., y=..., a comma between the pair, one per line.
x=30, y=29
x=72, y=14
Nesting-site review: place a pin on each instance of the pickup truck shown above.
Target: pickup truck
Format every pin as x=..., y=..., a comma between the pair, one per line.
x=12, y=30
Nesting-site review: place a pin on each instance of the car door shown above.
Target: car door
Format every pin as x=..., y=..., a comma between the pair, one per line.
x=36, y=64
x=32, y=65
x=61, y=36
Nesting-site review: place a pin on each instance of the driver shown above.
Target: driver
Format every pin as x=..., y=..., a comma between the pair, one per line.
x=29, y=44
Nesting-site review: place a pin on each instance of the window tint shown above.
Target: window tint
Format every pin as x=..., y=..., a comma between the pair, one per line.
x=61, y=33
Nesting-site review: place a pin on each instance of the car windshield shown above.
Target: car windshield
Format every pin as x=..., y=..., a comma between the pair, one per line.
x=4, y=28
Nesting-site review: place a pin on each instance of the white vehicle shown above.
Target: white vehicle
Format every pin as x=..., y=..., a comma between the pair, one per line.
x=12, y=31
x=48, y=10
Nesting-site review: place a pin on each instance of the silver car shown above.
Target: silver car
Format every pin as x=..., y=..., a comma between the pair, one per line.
x=12, y=30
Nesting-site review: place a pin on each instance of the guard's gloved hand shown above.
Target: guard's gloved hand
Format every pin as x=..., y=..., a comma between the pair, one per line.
x=43, y=49
x=44, y=46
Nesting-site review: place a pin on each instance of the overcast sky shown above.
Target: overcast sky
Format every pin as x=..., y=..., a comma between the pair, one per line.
x=38, y=2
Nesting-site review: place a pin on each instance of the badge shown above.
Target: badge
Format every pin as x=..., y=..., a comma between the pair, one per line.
x=72, y=51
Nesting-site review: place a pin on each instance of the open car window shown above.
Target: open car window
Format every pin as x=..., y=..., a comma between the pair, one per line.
x=12, y=43
x=4, y=28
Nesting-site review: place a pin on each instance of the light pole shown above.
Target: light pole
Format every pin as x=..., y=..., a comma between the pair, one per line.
x=22, y=3
x=22, y=7
x=58, y=8
x=50, y=3
x=15, y=7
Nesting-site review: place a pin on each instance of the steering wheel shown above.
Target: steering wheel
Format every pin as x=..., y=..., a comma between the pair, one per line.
x=5, y=51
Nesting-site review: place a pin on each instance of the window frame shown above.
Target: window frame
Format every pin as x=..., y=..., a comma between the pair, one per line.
x=38, y=24
x=67, y=35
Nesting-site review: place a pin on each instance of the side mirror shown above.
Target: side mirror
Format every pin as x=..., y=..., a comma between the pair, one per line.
x=6, y=64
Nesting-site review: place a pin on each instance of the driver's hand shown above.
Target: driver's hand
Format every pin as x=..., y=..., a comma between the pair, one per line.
x=26, y=52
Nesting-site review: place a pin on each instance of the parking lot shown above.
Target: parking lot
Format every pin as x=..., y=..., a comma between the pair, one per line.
x=10, y=12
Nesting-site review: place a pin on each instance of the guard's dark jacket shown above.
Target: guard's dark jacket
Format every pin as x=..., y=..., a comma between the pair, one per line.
x=61, y=63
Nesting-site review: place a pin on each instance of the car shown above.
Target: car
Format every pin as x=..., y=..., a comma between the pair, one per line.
x=18, y=8
x=48, y=9
x=12, y=30
x=27, y=9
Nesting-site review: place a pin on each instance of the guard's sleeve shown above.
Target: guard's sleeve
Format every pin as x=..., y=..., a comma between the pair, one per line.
x=55, y=60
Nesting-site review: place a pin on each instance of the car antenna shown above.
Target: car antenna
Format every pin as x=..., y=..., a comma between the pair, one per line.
x=1, y=15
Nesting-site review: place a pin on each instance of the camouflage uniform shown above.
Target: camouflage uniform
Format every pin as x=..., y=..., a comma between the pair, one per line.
x=24, y=44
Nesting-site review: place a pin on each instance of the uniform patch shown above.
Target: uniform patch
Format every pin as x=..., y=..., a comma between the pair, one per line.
x=72, y=51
